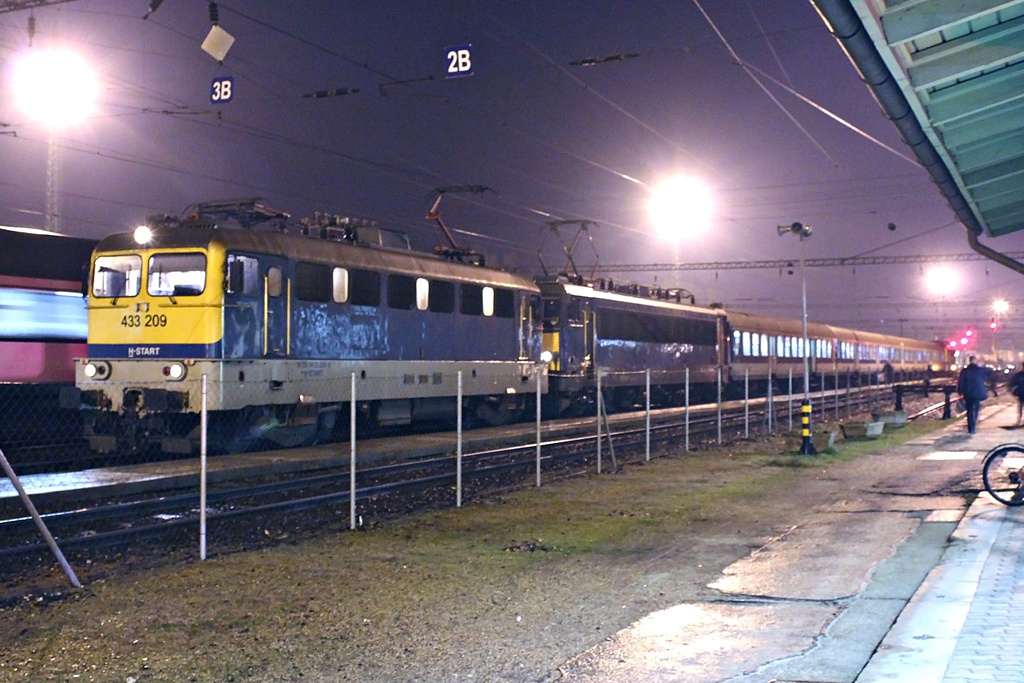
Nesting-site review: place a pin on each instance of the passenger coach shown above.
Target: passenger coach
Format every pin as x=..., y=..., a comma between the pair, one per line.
x=763, y=348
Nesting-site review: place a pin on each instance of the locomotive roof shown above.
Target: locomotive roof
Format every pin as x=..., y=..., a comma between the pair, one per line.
x=313, y=249
x=591, y=293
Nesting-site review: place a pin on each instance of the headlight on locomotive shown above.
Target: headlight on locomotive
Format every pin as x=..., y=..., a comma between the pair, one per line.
x=97, y=369
x=546, y=357
x=175, y=372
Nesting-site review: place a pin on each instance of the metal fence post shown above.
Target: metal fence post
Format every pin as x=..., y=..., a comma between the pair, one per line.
x=789, y=400
x=836, y=388
x=599, y=410
x=352, y=453
x=647, y=391
x=746, y=403
x=823, y=406
x=719, y=373
x=203, y=423
x=538, y=422
x=687, y=413
x=458, y=447
x=40, y=524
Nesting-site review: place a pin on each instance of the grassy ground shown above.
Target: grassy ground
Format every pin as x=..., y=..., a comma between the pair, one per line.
x=504, y=589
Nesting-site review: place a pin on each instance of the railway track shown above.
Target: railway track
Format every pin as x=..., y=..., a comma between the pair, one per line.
x=402, y=486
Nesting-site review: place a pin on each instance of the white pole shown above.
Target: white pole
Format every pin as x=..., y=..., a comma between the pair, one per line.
x=687, y=410
x=458, y=446
x=203, y=423
x=789, y=399
x=719, y=373
x=837, y=392
x=823, y=417
x=352, y=454
x=538, y=424
x=599, y=408
x=40, y=524
x=746, y=403
x=648, y=393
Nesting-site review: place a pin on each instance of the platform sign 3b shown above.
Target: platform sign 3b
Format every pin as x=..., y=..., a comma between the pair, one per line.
x=222, y=89
x=459, y=60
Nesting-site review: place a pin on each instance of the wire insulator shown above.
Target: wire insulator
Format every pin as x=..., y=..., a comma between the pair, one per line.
x=214, y=13
x=31, y=28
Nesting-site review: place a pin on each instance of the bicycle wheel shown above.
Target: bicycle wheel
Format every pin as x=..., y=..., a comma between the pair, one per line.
x=1003, y=474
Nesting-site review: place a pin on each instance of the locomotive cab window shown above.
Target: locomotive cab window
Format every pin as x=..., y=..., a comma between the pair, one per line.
x=117, y=276
x=242, y=275
x=176, y=275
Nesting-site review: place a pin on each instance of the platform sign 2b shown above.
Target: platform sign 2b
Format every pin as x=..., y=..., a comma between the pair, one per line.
x=459, y=60
x=222, y=89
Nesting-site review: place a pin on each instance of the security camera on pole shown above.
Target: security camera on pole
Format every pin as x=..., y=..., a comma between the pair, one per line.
x=806, y=444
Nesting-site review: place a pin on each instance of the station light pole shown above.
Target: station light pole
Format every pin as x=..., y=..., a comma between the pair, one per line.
x=806, y=443
x=57, y=89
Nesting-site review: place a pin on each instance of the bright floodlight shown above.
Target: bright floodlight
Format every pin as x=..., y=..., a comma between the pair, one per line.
x=1000, y=306
x=680, y=206
x=942, y=280
x=143, y=234
x=55, y=87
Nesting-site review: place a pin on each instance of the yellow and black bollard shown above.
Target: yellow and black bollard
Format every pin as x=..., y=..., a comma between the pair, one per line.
x=807, y=443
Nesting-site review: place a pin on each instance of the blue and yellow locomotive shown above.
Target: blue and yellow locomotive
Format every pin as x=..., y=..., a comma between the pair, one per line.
x=284, y=321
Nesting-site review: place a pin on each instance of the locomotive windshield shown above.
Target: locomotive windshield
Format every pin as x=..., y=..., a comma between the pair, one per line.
x=117, y=276
x=176, y=274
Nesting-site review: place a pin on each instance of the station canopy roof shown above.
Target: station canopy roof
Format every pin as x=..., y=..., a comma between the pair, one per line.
x=950, y=74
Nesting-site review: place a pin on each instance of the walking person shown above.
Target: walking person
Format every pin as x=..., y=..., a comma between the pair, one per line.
x=1016, y=386
x=972, y=387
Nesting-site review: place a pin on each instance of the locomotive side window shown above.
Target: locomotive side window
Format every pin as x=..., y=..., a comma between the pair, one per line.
x=472, y=300
x=117, y=276
x=313, y=282
x=640, y=327
x=746, y=343
x=364, y=288
x=243, y=275
x=176, y=274
x=274, y=281
x=442, y=297
x=504, y=303
x=401, y=292
x=488, y=303
x=339, y=285
x=422, y=294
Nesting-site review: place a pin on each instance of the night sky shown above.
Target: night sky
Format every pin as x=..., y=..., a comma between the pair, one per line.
x=552, y=140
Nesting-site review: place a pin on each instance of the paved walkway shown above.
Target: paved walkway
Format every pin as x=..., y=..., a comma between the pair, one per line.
x=963, y=623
